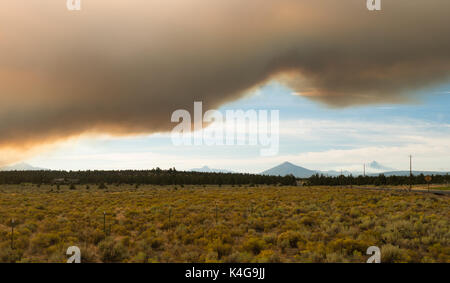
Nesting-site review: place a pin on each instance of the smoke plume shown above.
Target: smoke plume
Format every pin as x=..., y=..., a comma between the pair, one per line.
x=122, y=67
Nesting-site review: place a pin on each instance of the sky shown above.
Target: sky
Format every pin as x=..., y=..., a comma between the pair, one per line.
x=96, y=88
x=312, y=135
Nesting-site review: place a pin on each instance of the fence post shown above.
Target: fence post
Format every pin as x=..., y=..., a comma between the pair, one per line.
x=170, y=214
x=12, y=234
x=216, y=212
x=104, y=222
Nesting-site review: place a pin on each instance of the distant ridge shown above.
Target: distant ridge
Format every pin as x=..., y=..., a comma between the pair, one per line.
x=288, y=168
x=21, y=167
x=406, y=173
x=206, y=169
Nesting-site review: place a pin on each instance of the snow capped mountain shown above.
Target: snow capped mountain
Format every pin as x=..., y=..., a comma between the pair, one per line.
x=206, y=169
x=21, y=167
x=379, y=167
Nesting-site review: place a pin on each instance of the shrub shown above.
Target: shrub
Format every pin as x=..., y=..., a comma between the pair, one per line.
x=44, y=240
x=254, y=245
x=289, y=239
x=335, y=258
x=222, y=249
x=270, y=239
x=307, y=221
x=9, y=255
x=268, y=256
x=391, y=254
x=111, y=251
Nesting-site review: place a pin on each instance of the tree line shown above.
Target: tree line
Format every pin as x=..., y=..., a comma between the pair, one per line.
x=380, y=180
x=154, y=177
x=173, y=177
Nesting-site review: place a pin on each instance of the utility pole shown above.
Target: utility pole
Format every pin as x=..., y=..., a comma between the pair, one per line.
x=410, y=172
x=364, y=174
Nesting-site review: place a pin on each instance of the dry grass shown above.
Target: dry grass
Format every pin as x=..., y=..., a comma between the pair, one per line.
x=258, y=224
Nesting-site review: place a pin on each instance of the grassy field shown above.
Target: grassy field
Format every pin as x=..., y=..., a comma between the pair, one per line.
x=438, y=187
x=222, y=224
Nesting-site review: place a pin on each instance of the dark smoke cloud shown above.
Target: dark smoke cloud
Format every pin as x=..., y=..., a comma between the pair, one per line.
x=123, y=67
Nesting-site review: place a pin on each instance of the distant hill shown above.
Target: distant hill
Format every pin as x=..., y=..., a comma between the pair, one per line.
x=288, y=168
x=206, y=169
x=21, y=167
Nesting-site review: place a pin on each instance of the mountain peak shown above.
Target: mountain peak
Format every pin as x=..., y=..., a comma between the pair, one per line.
x=287, y=168
x=377, y=166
